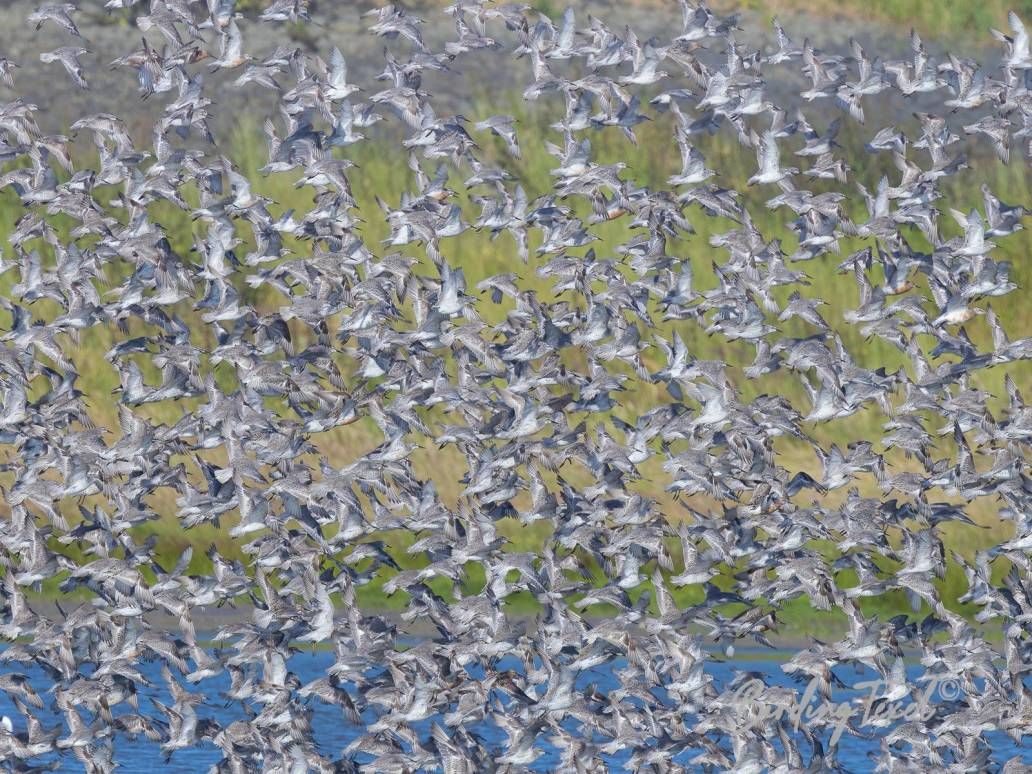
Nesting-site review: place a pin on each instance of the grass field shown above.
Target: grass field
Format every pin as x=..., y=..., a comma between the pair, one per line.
x=384, y=172
x=945, y=20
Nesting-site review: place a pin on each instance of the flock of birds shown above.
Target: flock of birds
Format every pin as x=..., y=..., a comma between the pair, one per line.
x=392, y=332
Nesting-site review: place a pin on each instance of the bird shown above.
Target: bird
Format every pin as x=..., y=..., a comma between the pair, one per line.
x=502, y=126
x=483, y=465
x=768, y=158
x=60, y=14
x=68, y=57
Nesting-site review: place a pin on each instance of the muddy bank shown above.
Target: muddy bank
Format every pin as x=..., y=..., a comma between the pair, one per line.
x=208, y=620
x=341, y=24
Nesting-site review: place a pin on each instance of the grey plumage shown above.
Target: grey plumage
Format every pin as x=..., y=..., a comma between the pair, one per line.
x=284, y=378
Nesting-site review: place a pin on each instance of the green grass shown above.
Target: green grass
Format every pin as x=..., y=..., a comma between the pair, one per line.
x=385, y=173
x=952, y=21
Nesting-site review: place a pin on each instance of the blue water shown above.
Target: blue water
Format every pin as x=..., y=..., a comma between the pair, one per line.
x=333, y=733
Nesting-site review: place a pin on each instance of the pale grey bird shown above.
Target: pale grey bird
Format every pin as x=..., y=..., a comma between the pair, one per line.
x=337, y=86
x=1016, y=44
x=504, y=127
x=61, y=14
x=68, y=57
x=768, y=158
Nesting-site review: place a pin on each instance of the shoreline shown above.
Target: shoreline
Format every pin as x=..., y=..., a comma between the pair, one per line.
x=208, y=620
